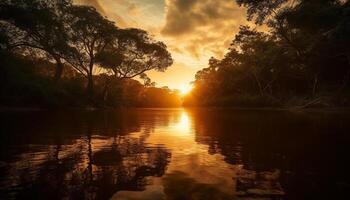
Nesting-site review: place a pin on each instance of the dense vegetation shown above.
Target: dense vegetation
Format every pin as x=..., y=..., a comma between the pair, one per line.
x=57, y=54
x=302, y=60
x=26, y=82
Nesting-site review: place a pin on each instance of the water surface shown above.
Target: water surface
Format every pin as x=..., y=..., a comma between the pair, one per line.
x=174, y=154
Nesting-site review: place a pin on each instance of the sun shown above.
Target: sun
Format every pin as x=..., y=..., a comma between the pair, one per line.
x=185, y=89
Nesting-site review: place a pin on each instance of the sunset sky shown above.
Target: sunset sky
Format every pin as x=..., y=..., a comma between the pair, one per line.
x=194, y=30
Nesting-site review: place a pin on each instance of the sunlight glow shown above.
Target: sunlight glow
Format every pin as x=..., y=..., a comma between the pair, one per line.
x=183, y=126
x=185, y=89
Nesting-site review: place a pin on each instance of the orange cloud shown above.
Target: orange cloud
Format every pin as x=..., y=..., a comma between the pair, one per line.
x=103, y=7
x=203, y=27
x=194, y=30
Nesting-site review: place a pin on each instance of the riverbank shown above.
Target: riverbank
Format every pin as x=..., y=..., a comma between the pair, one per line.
x=291, y=109
x=38, y=109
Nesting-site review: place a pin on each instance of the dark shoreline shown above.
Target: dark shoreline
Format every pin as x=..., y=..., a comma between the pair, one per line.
x=291, y=109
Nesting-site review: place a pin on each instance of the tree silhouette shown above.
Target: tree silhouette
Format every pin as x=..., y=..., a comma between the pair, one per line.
x=304, y=56
x=90, y=35
x=38, y=25
x=132, y=53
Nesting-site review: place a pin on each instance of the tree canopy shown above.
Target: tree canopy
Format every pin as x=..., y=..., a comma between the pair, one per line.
x=80, y=38
x=133, y=53
x=304, y=55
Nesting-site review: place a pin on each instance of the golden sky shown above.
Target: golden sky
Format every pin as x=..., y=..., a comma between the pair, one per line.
x=194, y=30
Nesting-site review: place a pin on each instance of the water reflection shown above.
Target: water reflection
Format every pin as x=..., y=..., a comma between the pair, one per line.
x=94, y=161
x=174, y=154
x=183, y=126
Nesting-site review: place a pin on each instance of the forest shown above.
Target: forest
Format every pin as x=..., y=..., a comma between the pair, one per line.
x=296, y=55
x=55, y=53
x=58, y=54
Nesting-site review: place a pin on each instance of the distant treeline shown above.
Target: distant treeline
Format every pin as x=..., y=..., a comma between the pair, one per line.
x=25, y=82
x=54, y=53
x=302, y=60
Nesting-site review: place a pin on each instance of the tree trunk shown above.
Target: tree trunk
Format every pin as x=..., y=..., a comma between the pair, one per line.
x=59, y=70
x=106, y=89
x=90, y=87
x=261, y=90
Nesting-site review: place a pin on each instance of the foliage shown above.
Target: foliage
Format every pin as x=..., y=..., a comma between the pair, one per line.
x=90, y=35
x=133, y=53
x=36, y=25
x=305, y=55
x=80, y=39
x=26, y=83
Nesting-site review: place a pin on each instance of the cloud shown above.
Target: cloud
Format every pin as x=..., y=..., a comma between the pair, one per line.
x=194, y=30
x=133, y=9
x=108, y=9
x=202, y=27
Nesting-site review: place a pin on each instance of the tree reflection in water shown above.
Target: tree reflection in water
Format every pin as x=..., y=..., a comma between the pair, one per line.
x=152, y=154
x=94, y=166
x=280, y=154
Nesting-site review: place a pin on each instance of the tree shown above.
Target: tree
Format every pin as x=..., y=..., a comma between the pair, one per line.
x=132, y=53
x=260, y=10
x=90, y=34
x=256, y=67
x=317, y=30
x=305, y=53
x=38, y=25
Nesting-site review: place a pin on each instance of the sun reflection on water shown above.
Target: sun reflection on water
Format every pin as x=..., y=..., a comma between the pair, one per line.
x=183, y=126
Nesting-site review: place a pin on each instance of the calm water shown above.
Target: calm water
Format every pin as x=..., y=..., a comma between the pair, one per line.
x=175, y=154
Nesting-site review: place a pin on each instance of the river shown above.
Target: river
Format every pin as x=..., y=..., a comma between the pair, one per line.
x=175, y=154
